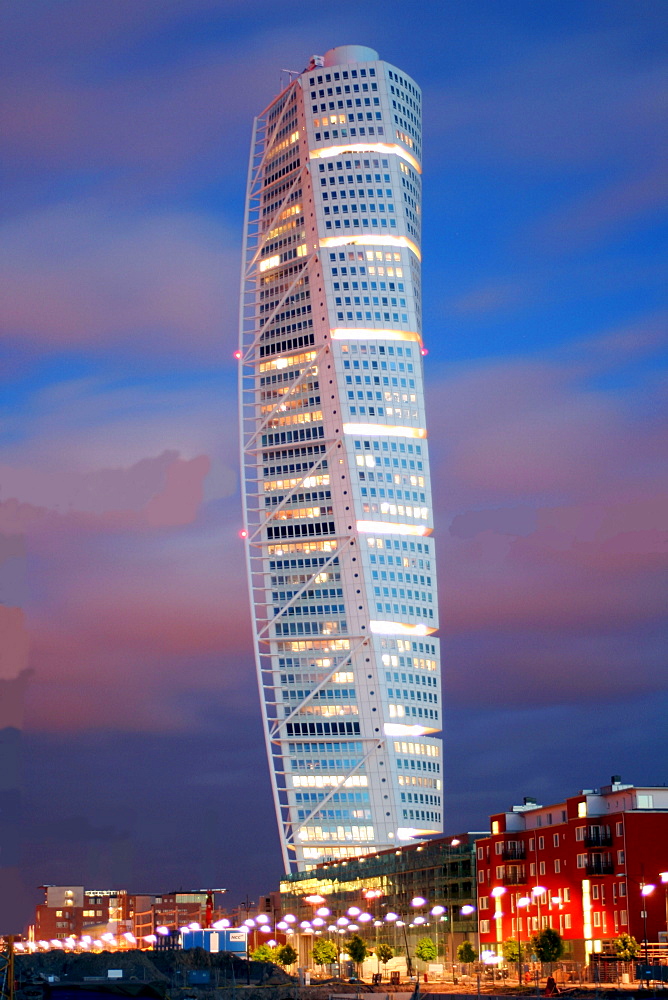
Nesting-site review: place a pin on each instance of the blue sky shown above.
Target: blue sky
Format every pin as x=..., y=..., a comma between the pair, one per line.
x=126, y=130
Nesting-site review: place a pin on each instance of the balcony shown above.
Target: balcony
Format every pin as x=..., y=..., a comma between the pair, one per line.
x=598, y=838
x=515, y=876
x=600, y=864
x=514, y=852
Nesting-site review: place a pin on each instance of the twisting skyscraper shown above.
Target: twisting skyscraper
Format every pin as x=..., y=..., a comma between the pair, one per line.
x=334, y=450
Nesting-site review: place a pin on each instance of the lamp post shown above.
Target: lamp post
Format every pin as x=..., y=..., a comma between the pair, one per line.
x=417, y=902
x=455, y=842
x=523, y=902
x=437, y=912
x=645, y=890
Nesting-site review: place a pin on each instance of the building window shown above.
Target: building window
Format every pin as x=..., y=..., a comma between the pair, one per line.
x=499, y=847
x=594, y=892
x=484, y=926
x=541, y=868
x=582, y=860
x=532, y=844
x=541, y=843
x=500, y=871
x=557, y=866
x=567, y=896
x=619, y=829
x=582, y=808
x=567, y=921
x=532, y=868
x=622, y=888
x=483, y=902
x=495, y=826
x=620, y=857
x=480, y=854
x=481, y=876
x=579, y=832
x=555, y=840
x=623, y=917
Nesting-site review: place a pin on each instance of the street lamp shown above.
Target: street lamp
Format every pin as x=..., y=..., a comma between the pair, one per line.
x=437, y=912
x=646, y=890
x=394, y=919
x=467, y=910
x=524, y=901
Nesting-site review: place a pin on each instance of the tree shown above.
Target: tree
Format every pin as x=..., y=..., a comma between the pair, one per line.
x=548, y=945
x=425, y=950
x=466, y=953
x=324, y=952
x=286, y=955
x=263, y=953
x=626, y=947
x=357, y=949
x=384, y=952
x=511, y=950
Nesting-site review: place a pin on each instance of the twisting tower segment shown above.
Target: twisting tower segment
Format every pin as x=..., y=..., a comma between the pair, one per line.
x=337, y=497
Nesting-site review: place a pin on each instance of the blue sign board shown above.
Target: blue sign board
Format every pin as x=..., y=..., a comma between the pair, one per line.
x=229, y=939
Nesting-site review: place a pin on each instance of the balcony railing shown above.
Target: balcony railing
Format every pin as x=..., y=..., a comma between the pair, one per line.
x=514, y=853
x=515, y=876
x=598, y=838
x=600, y=864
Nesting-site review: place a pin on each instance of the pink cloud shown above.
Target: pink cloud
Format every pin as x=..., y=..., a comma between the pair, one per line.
x=83, y=274
x=131, y=590
x=14, y=644
x=182, y=496
x=142, y=635
x=158, y=122
x=552, y=512
x=159, y=492
x=578, y=567
x=515, y=429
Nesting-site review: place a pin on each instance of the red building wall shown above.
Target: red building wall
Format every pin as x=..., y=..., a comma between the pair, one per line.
x=591, y=868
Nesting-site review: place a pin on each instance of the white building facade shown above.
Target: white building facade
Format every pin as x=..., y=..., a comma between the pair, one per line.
x=337, y=497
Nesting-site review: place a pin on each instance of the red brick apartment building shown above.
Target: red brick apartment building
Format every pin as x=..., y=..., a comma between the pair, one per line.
x=171, y=909
x=73, y=911
x=580, y=867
